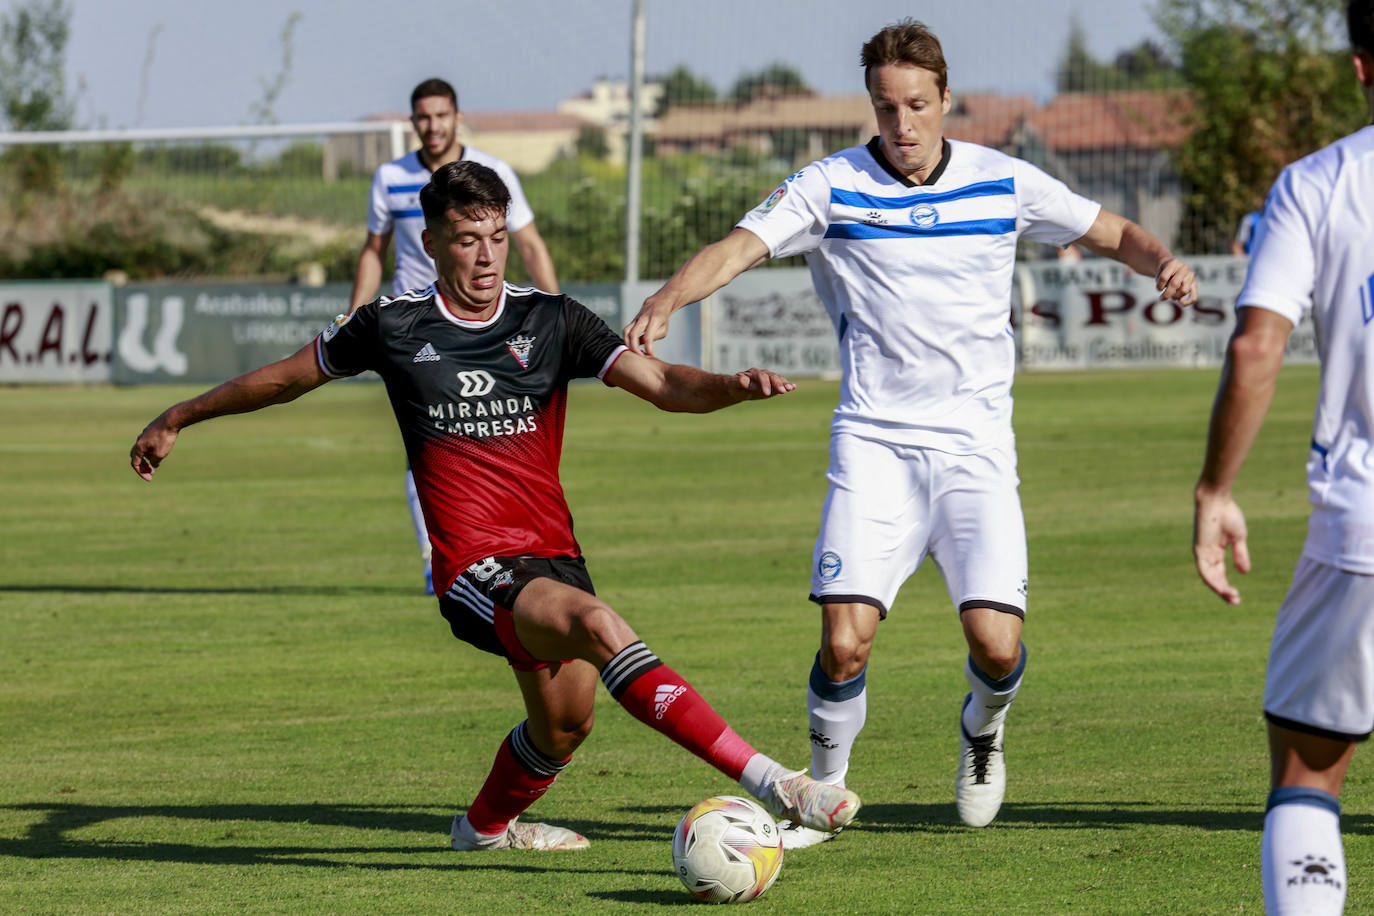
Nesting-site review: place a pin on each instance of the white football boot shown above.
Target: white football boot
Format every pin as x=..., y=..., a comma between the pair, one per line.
x=541, y=837
x=810, y=803
x=981, y=782
x=795, y=836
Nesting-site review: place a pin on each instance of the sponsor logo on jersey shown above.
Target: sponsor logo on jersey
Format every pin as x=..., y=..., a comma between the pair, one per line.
x=664, y=697
x=426, y=354
x=875, y=218
x=795, y=175
x=924, y=215
x=338, y=322
x=829, y=566
x=520, y=346
x=475, y=382
x=773, y=198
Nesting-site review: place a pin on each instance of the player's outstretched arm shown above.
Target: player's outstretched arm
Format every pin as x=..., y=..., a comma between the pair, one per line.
x=276, y=383
x=1248, y=379
x=705, y=272
x=371, y=263
x=1116, y=237
x=669, y=386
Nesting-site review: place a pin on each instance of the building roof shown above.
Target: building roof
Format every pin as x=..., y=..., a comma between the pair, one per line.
x=1134, y=119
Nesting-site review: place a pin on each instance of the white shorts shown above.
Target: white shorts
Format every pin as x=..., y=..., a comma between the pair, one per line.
x=891, y=505
x=1321, y=661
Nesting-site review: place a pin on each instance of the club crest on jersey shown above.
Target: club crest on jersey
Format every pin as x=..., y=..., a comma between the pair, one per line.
x=338, y=322
x=924, y=216
x=520, y=347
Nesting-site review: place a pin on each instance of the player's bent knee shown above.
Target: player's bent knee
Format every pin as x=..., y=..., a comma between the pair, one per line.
x=843, y=657
x=595, y=623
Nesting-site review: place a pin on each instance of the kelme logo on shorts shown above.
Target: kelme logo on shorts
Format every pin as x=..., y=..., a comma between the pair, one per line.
x=829, y=566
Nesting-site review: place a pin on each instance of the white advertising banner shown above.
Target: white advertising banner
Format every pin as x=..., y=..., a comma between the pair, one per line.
x=55, y=332
x=1096, y=313
x=772, y=319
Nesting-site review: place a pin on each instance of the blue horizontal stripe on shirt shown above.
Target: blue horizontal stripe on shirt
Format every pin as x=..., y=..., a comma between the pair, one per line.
x=969, y=227
x=979, y=189
x=402, y=214
x=404, y=188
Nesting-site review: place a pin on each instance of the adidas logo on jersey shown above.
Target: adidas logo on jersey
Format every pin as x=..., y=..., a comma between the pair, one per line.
x=426, y=354
x=664, y=697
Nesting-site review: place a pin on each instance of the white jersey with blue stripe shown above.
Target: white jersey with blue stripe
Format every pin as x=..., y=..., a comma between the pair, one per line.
x=395, y=207
x=917, y=280
x=1314, y=248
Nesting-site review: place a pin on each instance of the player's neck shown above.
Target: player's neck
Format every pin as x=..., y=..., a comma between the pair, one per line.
x=454, y=153
x=462, y=308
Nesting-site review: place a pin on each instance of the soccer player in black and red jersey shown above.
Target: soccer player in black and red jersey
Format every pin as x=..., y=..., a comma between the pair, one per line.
x=477, y=373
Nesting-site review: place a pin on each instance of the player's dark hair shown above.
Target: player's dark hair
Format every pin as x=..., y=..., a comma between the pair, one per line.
x=906, y=42
x=431, y=88
x=465, y=187
x=1359, y=18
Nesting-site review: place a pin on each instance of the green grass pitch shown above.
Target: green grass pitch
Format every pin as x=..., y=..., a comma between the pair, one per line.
x=223, y=692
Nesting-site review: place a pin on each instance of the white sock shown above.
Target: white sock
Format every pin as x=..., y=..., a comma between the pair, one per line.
x=837, y=713
x=1301, y=858
x=759, y=773
x=987, y=710
x=417, y=517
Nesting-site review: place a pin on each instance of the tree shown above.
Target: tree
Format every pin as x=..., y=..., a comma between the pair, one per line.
x=33, y=85
x=683, y=87
x=777, y=79
x=1145, y=66
x=1269, y=86
x=591, y=141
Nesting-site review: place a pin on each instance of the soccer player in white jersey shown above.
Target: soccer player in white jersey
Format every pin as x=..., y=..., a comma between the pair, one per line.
x=911, y=240
x=1314, y=248
x=394, y=210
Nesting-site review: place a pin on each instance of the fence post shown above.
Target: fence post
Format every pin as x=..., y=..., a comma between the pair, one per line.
x=635, y=154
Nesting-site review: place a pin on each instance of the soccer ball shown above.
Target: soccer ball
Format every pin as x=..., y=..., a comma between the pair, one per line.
x=727, y=850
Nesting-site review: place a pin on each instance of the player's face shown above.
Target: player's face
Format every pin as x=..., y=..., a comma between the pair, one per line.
x=469, y=252
x=436, y=124
x=911, y=116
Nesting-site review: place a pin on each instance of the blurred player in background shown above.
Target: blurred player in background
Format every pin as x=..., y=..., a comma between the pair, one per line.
x=477, y=372
x=394, y=210
x=1314, y=247
x=911, y=241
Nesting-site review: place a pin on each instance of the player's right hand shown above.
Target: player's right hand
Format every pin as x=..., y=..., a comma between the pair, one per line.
x=650, y=325
x=1218, y=524
x=152, y=445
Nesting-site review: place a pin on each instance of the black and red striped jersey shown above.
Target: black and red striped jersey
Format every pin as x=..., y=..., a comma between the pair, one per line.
x=480, y=405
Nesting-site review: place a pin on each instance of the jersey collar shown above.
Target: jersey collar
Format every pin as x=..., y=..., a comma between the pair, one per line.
x=875, y=149
x=440, y=303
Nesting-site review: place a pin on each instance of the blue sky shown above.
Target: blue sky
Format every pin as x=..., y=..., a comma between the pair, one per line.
x=157, y=63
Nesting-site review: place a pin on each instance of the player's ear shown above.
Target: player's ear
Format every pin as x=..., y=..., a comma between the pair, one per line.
x=1364, y=67
x=945, y=102
x=427, y=240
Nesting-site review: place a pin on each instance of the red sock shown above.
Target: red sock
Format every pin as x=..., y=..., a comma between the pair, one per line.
x=520, y=774
x=663, y=700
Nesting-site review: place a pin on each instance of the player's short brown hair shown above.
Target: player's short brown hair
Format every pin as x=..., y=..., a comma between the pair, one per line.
x=464, y=187
x=905, y=42
x=434, y=88
x=1359, y=18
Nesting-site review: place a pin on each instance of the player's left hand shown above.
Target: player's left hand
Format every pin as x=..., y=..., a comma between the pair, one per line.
x=762, y=383
x=152, y=445
x=1175, y=281
x=1219, y=524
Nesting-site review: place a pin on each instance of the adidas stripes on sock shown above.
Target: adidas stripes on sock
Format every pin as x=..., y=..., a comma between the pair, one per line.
x=663, y=700
x=991, y=697
x=520, y=774
x=837, y=713
x=1301, y=857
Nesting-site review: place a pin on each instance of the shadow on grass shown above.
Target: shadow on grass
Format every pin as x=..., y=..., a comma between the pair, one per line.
x=51, y=838
x=1103, y=815
x=312, y=590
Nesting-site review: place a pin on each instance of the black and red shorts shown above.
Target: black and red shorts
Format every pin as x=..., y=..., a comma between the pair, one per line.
x=477, y=605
